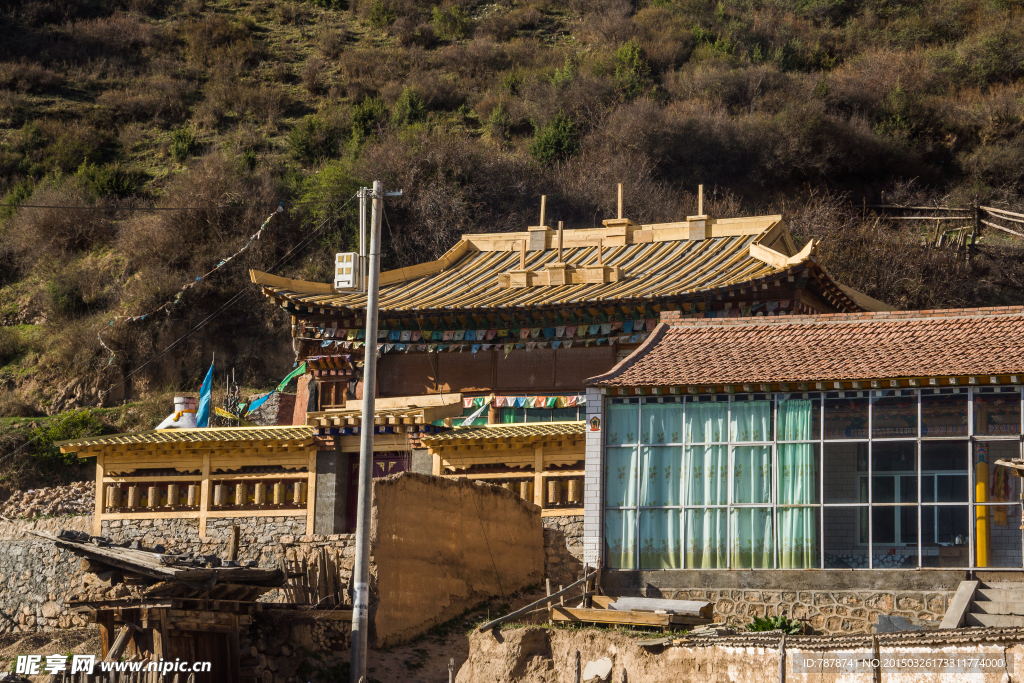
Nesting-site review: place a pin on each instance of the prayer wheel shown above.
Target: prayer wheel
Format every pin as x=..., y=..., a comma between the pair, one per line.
x=220, y=495
x=524, y=491
x=113, y=496
x=279, y=498
x=574, y=490
x=193, y=495
x=134, y=496
x=554, y=492
x=299, y=496
x=153, y=499
x=241, y=494
x=174, y=495
x=259, y=494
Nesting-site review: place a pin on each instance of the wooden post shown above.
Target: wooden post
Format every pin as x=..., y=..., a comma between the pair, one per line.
x=124, y=636
x=311, y=492
x=600, y=252
x=547, y=588
x=782, y=659
x=576, y=678
x=204, y=496
x=538, y=476
x=451, y=670
x=522, y=255
x=560, y=225
x=700, y=200
x=620, y=202
x=97, y=521
x=543, y=206
x=233, y=544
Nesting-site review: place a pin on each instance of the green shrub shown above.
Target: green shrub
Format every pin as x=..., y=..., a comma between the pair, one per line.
x=556, y=141
x=566, y=73
x=632, y=72
x=11, y=345
x=313, y=139
x=65, y=297
x=451, y=23
x=74, y=425
x=499, y=122
x=367, y=116
x=20, y=193
x=381, y=15
x=340, y=5
x=108, y=180
x=779, y=623
x=183, y=144
x=408, y=109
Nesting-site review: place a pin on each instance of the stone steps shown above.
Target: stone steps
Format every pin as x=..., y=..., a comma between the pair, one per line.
x=998, y=604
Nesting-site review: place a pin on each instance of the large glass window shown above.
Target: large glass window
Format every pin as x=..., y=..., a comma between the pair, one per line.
x=894, y=478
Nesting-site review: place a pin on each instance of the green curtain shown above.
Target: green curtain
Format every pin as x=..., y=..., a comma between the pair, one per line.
x=706, y=483
x=622, y=423
x=705, y=538
x=661, y=478
x=661, y=540
x=752, y=474
x=705, y=421
x=798, y=485
x=620, y=477
x=751, y=421
x=751, y=538
x=620, y=538
x=661, y=423
x=510, y=415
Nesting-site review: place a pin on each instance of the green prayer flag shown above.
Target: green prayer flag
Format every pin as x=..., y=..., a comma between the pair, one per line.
x=301, y=370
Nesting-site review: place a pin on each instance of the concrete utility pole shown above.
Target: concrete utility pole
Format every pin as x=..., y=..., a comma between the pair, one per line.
x=361, y=578
x=361, y=571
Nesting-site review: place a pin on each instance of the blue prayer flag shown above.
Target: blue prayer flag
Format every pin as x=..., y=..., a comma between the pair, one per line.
x=203, y=413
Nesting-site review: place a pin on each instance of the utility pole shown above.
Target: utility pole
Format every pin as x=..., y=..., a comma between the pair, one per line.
x=361, y=571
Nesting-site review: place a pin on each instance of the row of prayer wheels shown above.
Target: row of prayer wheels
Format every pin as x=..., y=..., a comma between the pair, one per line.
x=224, y=495
x=559, y=491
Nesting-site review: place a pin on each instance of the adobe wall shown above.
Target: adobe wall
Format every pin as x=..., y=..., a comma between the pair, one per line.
x=831, y=602
x=441, y=546
x=548, y=655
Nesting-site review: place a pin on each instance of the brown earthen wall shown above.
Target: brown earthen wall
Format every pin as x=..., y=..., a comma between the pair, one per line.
x=441, y=546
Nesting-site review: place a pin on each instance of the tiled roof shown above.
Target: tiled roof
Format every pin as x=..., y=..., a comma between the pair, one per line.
x=851, y=346
x=205, y=435
x=507, y=431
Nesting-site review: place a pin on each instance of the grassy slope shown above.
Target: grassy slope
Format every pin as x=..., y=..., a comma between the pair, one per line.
x=774, y=105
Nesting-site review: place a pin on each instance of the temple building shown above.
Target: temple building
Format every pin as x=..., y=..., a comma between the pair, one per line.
x=513, y=324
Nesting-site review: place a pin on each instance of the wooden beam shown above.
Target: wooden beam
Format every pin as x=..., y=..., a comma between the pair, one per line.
x=538, y=476
x=101, y=495
x=205, y=496
x=311, y=492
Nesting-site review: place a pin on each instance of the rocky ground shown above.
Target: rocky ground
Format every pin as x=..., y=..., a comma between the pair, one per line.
x=74, y=499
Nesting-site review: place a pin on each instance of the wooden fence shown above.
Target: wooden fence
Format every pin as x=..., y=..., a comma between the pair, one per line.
x=956, y=228
x=320, y=580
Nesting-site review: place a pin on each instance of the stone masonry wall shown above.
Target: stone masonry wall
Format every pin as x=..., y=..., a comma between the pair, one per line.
x=826, y=612
x=563, y=548
x=36, y=578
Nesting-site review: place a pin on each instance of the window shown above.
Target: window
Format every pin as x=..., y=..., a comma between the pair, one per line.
x=895, y=478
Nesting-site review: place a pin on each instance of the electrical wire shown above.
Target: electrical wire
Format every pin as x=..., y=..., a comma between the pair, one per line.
x=167, y=208
x=199, y=325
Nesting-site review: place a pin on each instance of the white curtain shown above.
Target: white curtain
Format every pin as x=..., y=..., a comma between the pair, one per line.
x=798, y=485
x=620, y=538
x=661, y=540
x=707, y=483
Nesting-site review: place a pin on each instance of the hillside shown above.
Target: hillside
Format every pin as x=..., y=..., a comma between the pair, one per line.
x=173, y=129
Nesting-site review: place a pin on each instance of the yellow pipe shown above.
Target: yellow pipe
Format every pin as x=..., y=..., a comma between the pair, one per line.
x=981, y=511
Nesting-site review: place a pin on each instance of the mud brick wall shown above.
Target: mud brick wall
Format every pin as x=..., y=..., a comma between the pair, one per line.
x=563, y=548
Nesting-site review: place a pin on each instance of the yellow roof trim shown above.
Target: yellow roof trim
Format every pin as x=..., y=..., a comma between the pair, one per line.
x=298, y=286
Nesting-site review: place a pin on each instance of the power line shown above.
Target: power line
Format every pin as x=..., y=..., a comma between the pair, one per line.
x=203, y=322
x=238, y=207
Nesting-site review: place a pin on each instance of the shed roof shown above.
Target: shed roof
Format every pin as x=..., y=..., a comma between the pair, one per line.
x=506, y=432
x=832, y=347
x=293, y=435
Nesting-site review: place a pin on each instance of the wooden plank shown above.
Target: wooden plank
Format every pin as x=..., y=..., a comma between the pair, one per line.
x=959, y=605
x=602, y=601
x=543, y=601
x=607, y=616
x=690, y=608
x=999, y=227
x=124, y=636
x=995, y=210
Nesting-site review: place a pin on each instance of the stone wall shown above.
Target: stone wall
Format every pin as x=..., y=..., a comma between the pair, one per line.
x=830, y=603
x=563, y=548
x=286, y=647
x=258, y=536
x=36, y=578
